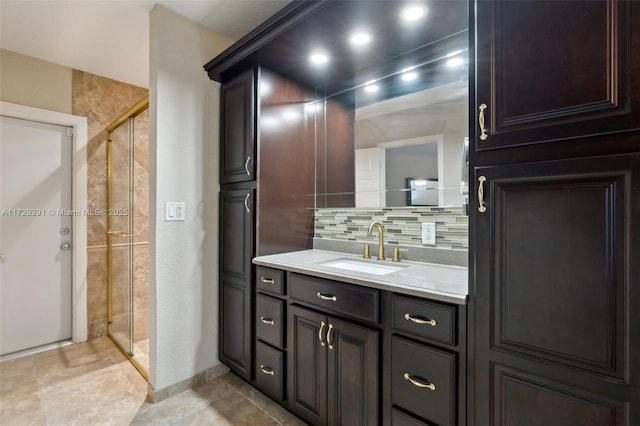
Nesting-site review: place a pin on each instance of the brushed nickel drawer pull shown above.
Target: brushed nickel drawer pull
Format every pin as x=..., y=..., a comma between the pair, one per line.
x=419, y=382
x=246, y=166
x=267, y=370
x=483, y=131
x=420, y=320
x=322, y=324
x=327, y=297
x=267, y=280
x=246, y=202
x=481, y=207
x=329, y=342
x=267, y=320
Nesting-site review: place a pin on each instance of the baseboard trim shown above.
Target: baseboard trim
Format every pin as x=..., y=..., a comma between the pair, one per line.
x=197, y=380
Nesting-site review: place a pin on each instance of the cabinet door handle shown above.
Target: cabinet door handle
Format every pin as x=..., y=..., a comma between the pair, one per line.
x=267, y=320
x=327, y=297
x=483, y=131
x=481, y=207
x=420, y=320
x=419, y=382
x=329, y=342
x=267, y=280
x=322, y=324
x=267, y=370
x=246, y=202
x=246, y=166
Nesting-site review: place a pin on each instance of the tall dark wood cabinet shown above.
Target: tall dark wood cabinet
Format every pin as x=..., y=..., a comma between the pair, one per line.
x=555, y=218
x=237, y=223
x=266, y=206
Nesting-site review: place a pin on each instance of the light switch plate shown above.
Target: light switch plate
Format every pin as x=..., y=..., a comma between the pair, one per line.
x=174, y=211
x=429, y=233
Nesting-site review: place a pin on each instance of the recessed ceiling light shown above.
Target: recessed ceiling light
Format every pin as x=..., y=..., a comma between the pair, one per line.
x=360, y=37
x=319, y=57
x=371, y=86
x=413, y=12
x=409, y=75
x=455, y=62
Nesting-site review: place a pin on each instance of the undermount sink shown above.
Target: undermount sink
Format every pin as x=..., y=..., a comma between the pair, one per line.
x=368, y=267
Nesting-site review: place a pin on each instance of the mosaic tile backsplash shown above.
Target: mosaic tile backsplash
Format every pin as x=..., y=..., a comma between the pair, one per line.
x=402, y=225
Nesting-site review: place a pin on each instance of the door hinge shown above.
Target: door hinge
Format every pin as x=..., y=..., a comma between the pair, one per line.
x=69, y=131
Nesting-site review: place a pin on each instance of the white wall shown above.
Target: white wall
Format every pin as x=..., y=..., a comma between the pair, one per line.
x=184, y=132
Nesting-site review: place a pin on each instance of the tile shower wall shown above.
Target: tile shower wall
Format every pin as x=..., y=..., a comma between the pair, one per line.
x=402, y=226
x=103, y=100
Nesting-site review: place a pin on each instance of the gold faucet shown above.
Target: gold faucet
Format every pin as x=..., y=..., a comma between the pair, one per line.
x=380, y=238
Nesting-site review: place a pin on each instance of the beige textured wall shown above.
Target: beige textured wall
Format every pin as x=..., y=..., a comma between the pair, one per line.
x=102, y=101
x=33, y=82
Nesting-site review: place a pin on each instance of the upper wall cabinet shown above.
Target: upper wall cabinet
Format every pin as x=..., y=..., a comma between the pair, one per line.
x=237, y=135
x=532, y=82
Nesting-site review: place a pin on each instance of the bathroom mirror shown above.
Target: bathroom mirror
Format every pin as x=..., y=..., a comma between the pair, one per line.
x=404, y=118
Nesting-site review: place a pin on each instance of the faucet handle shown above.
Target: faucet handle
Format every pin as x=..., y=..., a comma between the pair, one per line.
x=367, y=252
x=396, y=254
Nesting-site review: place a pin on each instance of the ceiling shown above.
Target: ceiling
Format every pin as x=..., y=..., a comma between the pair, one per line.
x=111, y=38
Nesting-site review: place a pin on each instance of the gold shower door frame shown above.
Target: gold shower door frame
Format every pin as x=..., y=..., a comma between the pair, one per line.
x=112, y=234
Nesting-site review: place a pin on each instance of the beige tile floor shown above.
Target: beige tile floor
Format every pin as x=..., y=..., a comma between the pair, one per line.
x=92, y=383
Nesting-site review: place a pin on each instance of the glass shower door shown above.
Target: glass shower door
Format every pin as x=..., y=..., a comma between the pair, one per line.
x=127, y=235
x=120, y=235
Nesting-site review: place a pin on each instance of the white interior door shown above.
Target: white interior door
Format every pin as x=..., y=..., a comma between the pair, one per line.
x=35, y=234
x=370, y=189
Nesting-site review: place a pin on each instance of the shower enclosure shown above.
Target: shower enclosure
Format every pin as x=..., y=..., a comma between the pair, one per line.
x=127, y=234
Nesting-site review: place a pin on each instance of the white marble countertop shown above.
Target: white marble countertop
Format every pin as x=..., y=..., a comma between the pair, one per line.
x=431, y=280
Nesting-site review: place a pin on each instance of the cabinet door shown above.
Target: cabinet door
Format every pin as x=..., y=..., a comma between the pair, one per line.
x=556, y=293
x=237, y=129
x=353, y=370
x=236, y=289
x=552, y=70
x=307, y=357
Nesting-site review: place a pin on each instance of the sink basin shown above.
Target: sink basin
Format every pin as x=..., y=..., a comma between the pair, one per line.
x=368, y=267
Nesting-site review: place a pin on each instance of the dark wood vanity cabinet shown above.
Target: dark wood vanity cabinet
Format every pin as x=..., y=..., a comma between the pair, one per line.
x=333, y=373
x=237, y=220
x=270, y=329
x=556, y=70
x=333, y=369
x=425, y=362
x=554, y=276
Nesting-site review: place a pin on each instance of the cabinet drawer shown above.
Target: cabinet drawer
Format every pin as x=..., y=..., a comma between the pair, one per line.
x=424, y=319
x=270, y=280
x=398, y=418
x=332, y=296
x=270, y=320
x=423, y=381
x=270, y=371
